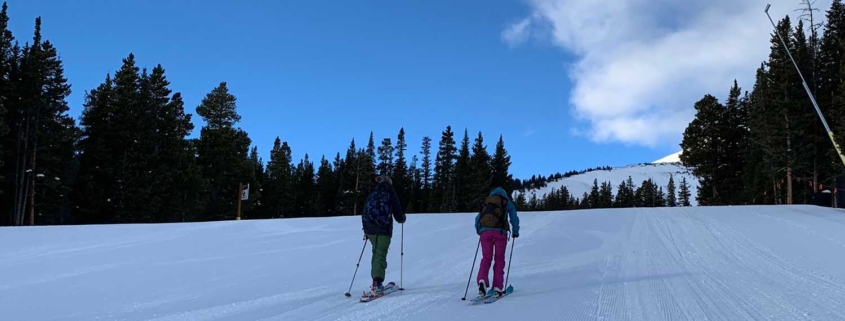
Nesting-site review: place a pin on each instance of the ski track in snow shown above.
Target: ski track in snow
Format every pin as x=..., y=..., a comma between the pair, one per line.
x=710, y=263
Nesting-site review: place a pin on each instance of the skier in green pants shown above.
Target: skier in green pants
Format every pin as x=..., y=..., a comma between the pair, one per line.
x=378, y=225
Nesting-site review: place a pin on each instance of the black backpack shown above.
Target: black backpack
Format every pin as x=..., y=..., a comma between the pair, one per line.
x=377, y=209
x=494, y=212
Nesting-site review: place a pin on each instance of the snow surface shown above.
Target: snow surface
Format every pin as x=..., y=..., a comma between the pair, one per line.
x=694, y=263
x=673, y=158
x=659, y=173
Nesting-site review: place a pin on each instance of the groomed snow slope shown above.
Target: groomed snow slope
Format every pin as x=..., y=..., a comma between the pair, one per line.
x=719, y=263
x=659, y=173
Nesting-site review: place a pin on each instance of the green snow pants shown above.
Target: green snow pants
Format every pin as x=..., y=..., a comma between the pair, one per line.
x=380, y=245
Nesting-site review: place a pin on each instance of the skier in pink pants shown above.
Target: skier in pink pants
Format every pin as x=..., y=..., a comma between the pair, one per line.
x=492, y=226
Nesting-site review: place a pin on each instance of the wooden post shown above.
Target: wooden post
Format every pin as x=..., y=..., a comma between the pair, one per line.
x=240, y=192
x=32, y=202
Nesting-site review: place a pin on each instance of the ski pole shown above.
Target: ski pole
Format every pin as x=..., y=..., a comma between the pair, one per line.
x=472, y=269
x=402, y=259
x=347, y=294
x=510, y=261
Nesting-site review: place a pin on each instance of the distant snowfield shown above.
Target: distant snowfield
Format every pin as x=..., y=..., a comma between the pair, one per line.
x=701, y=263
x=658, y=172
x=673, y=158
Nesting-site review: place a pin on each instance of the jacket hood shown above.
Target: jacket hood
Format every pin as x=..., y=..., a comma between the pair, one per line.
x=500, y=191
x=383, y=186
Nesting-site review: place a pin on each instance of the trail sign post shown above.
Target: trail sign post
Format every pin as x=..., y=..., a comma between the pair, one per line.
x=243, y=195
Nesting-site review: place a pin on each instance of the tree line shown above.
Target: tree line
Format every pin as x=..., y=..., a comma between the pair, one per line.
x=130, y=158
x=648, y=194
x=537, y=182
x=769, y=146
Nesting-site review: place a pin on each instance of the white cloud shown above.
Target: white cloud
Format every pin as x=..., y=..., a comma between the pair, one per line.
x=642, y=64
x=517, y=33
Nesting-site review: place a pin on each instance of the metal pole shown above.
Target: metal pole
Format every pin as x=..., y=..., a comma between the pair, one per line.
x=807, y=88
x=402, y=260
x=510, y=262
x=472, y=269
x=348, y=294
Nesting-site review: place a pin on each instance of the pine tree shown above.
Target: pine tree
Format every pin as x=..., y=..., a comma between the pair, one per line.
x=425, y=197
x=641, y=195
x=703, y=147
x=463, y=174
x=96, y=181
x=113, y=185
x=828, y=90
x=7, y=60
x=585, y=201
x=671, y=199
x=626, y=196
x=733, y=130
x=660, y=197
x=829, y=94
x=760, y=164
x=566, y=199
x=190, y=184
x=500, y=165
x=327, y=188
x=831, y=52
x=385, y=157
x=253, y=208
x=594, y=195
x=606, y=195
x=533, y=203
x=369, y=162
x=415, y=186
x=368, y=171
x=304, y=194
x=521, y=203
x=402, y=176
x=482, y=172
x=170, y=167
x=222, y=153
x=279, y=186
x=684, y=193
x=349, y=181
x=444, y=171
x=622, y=190
x=218, y=108
x=48, y=132
x=808, y=136
x=776, y=117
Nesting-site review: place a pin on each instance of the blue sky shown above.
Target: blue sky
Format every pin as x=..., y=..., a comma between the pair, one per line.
x=318, y=73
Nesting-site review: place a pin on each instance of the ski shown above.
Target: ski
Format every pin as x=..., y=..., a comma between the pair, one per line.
x=491, y=299
x=388, y=288
x=494, y=298
x=490, y=296
x=479, y=299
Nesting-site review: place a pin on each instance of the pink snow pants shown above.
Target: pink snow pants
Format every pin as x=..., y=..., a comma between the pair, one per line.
x=493, y=242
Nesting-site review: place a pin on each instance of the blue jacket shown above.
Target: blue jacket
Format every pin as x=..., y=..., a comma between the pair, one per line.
x=513, y=219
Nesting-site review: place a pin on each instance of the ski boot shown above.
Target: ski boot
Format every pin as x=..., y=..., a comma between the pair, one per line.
x=482, y=289
x=377, y=288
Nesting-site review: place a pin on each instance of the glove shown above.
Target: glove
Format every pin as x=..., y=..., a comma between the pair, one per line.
x=515, y=235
